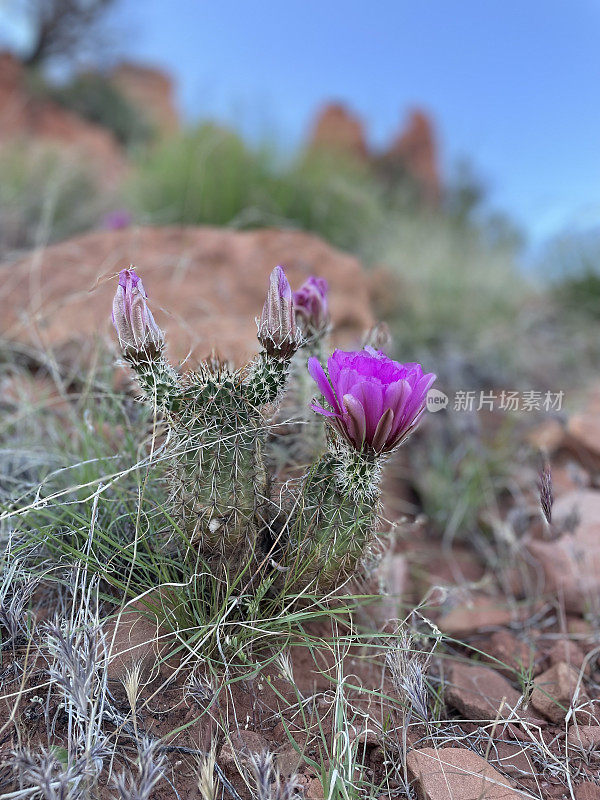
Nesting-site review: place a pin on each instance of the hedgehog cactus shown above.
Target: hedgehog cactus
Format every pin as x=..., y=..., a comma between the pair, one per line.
x=218, y=420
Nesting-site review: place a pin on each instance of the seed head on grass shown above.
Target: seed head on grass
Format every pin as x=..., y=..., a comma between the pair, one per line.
x=408, y=667
x=16, y=591
x=268, y=781
x=131, y=684
x=207, y=782
x=51, y=779
x=76, y=665
x=150, y=770
x=546, y=492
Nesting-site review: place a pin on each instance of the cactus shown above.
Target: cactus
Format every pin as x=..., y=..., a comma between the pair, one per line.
x=297, y=437
x=219, y=418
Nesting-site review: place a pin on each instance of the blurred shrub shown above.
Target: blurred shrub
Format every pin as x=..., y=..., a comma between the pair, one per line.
x=210, y=176
x=457, y=294
x=44, y=196
x=455, y=282
x=573, y=262
x=460, y=468
x=93, y=97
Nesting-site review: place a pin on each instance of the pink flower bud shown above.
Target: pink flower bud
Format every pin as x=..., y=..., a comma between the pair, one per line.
x=131, y=316
x=277, y=330
x=310, y=304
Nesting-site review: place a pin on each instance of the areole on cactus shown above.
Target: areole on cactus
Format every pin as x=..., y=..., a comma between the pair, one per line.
x=218, y=420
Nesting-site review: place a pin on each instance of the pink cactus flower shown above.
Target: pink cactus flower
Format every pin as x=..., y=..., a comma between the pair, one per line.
x=375, y=402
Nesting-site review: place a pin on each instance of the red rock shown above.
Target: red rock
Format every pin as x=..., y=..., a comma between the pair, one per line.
x=508, y=655
x=568, y=476
x=581, y=629
x=212, y=281
x=513, y=759
x=151, y=90
x=26, y=118
x=338, y=129
x=583, y=433
x=556, y=690
x=587, y=791
x=571, y=564
x=453, y=773
x=570, y=653
x=416, y=149
x=584, y=736
x=240, y=744
x=481, y=613
x=480, y=692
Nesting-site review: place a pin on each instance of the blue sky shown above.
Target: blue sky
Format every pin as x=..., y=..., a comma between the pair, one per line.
x=512, y=84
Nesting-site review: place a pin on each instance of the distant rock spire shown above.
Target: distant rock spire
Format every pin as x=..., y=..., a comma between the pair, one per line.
x=336, y=128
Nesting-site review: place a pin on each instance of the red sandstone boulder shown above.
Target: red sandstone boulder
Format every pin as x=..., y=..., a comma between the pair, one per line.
x=455, y=773
x=206, y=286
x=570, y=565
x=480, y=692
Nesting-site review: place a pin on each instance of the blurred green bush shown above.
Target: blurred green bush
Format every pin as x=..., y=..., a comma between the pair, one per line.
x=95, y=98
x=44, y=196
x=456, y=280
x=210, y=176
x=573, y=262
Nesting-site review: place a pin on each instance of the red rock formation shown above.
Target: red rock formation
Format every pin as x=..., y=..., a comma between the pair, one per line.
x=337, y=129
x=211, y=283
x=150, y=90
x=416, y=150
x=24, y=117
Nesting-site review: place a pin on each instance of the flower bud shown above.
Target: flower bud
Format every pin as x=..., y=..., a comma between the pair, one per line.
x=311, y=307
x=277, y=329
x=131, y=316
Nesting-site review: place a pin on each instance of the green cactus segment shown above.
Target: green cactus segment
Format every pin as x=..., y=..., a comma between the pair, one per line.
x=157, y=378
x=217, y=479
x=310, y=441
x=337, y=517
x=266, y=379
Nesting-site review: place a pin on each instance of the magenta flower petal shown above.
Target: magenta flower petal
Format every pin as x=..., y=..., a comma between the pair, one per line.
x=320, y=410
x=317, y=373
x=382, y=431
x=355, y=419
x=377, y=402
